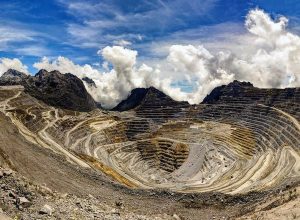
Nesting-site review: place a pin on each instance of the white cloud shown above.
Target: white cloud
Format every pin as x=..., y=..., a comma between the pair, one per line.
x=10, y=35
x=226, y=36
x=105, y=65
x=120, y=57
x=271, y=60
x=6, y=64
x=115, y=84
x=22, y=40
x=103, y=22
x=32, y=50
x=122, y=43
x=139, y=37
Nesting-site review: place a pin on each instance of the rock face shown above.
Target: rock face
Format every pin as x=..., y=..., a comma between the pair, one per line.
x=23, y=201
x=12, y=77
x=140, y=97
x=63, y=90
x=245, y=91
x=134, y=99
x=89, y=81
x=46, y=210
x=56, y=89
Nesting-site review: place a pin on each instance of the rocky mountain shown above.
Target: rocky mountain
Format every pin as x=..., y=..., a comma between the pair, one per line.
x=237, y=91
x=140, y=97
x=12, y=77
x=56, y=89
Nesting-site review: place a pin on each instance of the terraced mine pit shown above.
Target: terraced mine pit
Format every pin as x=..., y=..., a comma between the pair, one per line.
x=228, y=146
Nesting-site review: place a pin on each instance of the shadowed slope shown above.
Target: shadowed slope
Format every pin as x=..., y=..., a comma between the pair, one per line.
x=140, y=97
x=246, y=92
x=56, y=89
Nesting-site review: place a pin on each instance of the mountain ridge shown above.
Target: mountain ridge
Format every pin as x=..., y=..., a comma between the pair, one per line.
x=237, y=90
x=54, y=88
x=68, y=91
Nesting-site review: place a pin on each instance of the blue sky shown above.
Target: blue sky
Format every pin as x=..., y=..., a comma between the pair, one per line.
x=31, y=29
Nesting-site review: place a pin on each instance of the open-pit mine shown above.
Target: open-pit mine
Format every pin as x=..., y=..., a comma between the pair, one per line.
x=232, y=143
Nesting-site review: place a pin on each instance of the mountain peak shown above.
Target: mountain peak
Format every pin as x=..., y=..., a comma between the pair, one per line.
x=14, y=73
x=239, y=84
x=133, y=100
x=12, y=77
x=153, y=90
x=44, y=73
x=41, y=72
x=144, y=96
x=237, y=91
x=232, y=89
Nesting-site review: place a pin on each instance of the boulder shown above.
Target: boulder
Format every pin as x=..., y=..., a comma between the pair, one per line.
x=23, y=201
x=46, y=210
x=7, y=172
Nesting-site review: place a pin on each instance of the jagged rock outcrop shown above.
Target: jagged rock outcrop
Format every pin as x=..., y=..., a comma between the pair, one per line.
x=140, y=97
x=56, y=89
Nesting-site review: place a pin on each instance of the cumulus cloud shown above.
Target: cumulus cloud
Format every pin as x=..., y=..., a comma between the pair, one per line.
x=113, y=85
x=273, y=61
x=6, y=64
x=276, y=62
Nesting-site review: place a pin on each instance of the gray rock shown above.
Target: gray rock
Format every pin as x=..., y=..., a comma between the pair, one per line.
x=7, y=172
x=65, y=195
x=176, y=217
x=79, y=204
x=46, y=210
x=22, y=201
